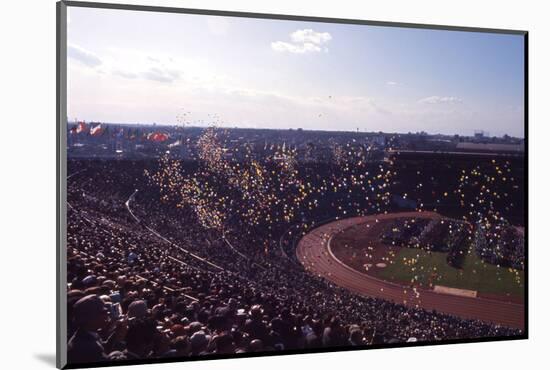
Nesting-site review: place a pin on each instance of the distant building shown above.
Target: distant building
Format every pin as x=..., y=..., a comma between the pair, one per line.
x=479, y=135
x=379, y=140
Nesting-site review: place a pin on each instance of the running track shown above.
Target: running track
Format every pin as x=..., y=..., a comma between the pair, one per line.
x=313, y=251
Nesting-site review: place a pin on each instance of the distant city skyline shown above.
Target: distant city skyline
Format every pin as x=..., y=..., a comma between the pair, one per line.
x=161, y=125
x=141, y=67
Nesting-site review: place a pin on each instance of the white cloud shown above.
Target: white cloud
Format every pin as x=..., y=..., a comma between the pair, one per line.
x=304, y=41
x=83, y=56
x=440, y=100
x=391, y=83
x=134, y=65
x=125, y=74
x=307, y=47
x=308, y=35
x=160, y=74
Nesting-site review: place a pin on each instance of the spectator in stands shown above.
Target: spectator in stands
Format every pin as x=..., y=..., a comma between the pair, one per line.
x=140, y=338
x=90, y=316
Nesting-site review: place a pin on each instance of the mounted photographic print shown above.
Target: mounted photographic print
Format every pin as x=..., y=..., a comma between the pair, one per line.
x=236, y=184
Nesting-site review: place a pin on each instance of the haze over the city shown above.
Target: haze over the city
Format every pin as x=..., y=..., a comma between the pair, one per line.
x=143, y=67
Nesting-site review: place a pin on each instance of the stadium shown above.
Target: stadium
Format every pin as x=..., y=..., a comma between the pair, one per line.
x=226, y=241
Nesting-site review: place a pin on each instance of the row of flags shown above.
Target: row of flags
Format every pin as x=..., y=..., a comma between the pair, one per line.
x=99, y=129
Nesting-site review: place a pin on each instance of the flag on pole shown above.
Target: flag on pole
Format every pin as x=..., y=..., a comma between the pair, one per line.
x=157, y=137
x=81, y=127
x=96, y=130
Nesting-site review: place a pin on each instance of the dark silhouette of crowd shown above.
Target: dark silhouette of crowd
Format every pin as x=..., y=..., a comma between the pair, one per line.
x=152, y=283
x=402, y=230
x=501, y=244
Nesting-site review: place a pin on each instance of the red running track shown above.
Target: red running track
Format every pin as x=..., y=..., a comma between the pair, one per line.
x=313, y=251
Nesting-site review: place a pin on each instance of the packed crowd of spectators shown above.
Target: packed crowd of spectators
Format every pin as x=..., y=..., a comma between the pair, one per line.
x=501, y=244
x=444, y=235
x=154, y=284
x=447, y=236
x=402, y=230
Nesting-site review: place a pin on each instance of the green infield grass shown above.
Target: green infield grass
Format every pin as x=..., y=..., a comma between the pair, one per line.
x=412, y=265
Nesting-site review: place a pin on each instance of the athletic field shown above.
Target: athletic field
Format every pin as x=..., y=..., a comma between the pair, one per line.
x=425, y=268
x=360, y=247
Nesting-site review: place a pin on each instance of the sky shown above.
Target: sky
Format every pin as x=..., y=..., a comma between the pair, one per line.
x=145, y=67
